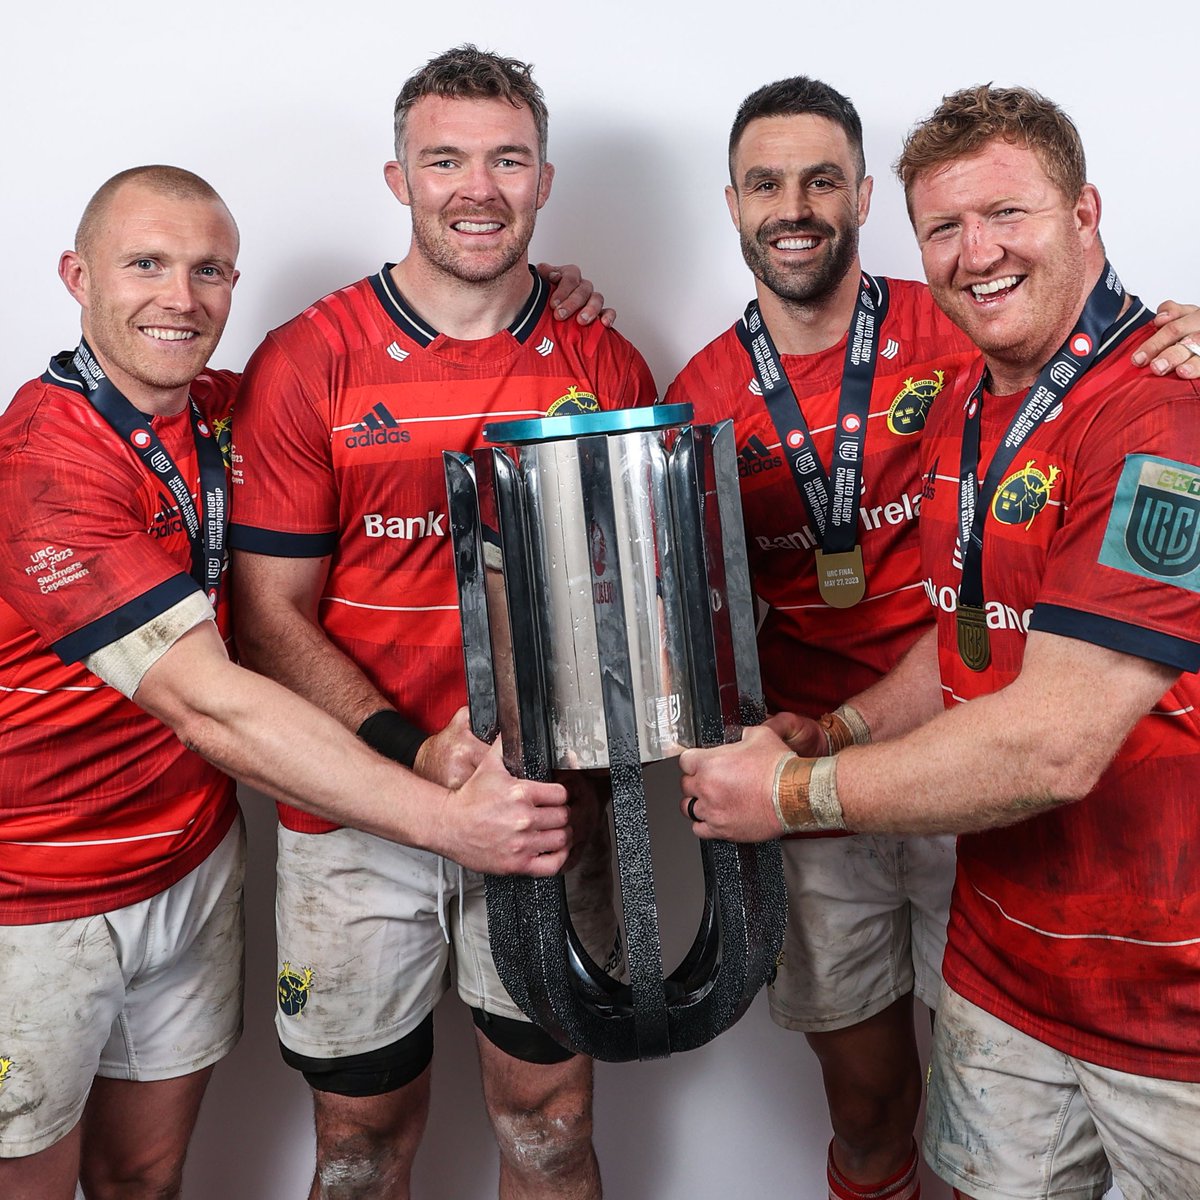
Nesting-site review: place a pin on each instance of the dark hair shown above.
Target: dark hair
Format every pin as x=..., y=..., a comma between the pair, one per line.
x=966, y=121
x=800, y=96
x=167, y=181
x=468, y=73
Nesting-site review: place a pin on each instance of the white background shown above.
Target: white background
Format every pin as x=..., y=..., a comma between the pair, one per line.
x=286, y=109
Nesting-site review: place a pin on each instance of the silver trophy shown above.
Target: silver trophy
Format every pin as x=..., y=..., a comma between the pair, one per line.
x=608, y=621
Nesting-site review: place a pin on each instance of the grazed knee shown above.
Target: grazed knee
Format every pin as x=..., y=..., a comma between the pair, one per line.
x=544, y=1144
x=356, y=1169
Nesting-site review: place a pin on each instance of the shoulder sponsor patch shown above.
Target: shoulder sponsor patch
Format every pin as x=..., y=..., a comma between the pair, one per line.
x=1154, y=526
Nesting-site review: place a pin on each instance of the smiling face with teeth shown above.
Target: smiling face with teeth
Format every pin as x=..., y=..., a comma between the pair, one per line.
x=154, y=281
x=474, y=181
x=1010, y=259
x=797, y=202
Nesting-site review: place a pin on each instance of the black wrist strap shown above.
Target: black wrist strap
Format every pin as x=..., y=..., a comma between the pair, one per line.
x=394, y=737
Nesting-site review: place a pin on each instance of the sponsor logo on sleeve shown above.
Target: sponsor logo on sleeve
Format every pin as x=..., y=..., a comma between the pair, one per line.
x=1154, y=524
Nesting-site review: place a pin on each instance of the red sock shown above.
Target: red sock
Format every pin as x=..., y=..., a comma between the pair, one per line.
x=904, y=1185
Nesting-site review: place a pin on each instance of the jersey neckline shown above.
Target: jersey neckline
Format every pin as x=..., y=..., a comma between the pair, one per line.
x=418, y=329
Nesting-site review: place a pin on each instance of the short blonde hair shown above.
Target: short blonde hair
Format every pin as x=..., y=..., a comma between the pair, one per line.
x=176, y=182
x=966, y=121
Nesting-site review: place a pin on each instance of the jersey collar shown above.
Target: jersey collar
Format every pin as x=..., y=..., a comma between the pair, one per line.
x=414, y=326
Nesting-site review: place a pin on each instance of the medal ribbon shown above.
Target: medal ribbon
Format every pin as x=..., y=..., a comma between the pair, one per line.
x=1098, y=331
x=834, y=514
x=206, y=530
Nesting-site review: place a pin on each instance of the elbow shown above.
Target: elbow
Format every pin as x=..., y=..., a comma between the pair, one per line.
x=248, y=649
x=1067, y=771
x=193, y=723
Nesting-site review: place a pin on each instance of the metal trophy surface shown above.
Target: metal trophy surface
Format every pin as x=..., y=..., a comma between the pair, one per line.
x=608, y=622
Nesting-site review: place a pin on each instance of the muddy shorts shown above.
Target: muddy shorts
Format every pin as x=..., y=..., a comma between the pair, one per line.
x=1010, y=1118
x=150, y=991
x=371, y=934
x=866, y=925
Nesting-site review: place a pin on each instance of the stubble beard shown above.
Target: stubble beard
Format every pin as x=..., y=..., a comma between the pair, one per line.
x=119, y=342
x=811, y=283
x=464, y=265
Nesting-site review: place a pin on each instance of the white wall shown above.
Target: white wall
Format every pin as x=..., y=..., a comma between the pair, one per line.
x=286, y=108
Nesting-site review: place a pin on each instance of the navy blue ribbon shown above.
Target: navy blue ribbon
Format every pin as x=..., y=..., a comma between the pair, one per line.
x=206, y=529
x=1099, y=330
x=832, y=507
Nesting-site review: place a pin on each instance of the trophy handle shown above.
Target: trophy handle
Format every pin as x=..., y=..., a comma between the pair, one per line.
x=466, y=533
x=752, y=707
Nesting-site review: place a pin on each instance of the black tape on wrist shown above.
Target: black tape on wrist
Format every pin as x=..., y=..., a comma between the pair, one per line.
x=394, y=737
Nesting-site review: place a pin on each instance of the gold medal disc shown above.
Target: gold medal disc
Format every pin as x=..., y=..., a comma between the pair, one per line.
x=841, y=577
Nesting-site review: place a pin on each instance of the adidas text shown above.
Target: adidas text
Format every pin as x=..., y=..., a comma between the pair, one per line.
x=378, y=437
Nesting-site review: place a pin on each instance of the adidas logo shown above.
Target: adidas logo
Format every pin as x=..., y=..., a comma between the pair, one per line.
x=395, y=352
x=545, y=347
x=754, y=458
x=890, y=350
x=378, y=427
x=168, y=519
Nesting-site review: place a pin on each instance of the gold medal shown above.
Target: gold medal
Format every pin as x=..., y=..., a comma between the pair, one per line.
x=841, y=577
x=971, y=626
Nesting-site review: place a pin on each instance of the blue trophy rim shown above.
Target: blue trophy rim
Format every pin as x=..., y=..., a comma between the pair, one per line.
x=618, y=420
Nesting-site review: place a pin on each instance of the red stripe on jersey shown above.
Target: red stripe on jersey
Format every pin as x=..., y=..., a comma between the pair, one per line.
x=342, y=421
x=813, y=657
x=100, y=804
x=1080, y=926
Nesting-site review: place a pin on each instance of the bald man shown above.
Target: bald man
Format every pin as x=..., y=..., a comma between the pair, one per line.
x=122, y=719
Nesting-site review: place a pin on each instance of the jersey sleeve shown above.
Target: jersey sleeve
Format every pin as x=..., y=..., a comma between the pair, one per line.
x=1124, y=570
x=625, y=380
x=705, y=387
x=679, y=391
x=77, y=563
x=284, y=493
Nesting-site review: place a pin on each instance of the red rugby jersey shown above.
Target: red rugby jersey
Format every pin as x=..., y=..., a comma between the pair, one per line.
x=813, y=657
x=100, y=804
x=1081, y=926
x=342, y=420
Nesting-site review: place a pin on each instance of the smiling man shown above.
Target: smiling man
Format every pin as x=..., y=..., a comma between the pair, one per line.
x=1060, y=547
x=867, y=914
x=347, y=594
x=121, y=878
x=829, y=378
